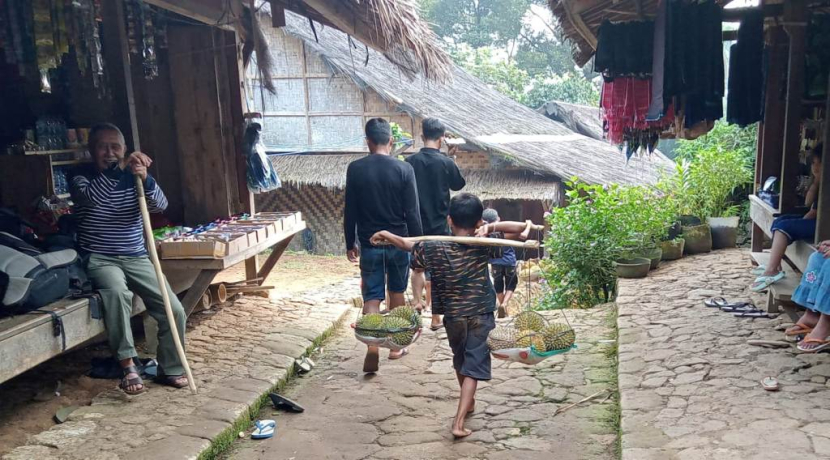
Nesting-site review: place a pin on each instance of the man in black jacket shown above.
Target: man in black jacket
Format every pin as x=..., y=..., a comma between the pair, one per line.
x=380, y=195
x=436, y=174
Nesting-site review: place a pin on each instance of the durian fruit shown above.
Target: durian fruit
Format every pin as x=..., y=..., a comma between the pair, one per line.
x=525, y=338
x=408, y=313
x=371, y=325
x=402, y=337
x=529, y=320
x=501, y=338
x=559, y=336
x=530, y=338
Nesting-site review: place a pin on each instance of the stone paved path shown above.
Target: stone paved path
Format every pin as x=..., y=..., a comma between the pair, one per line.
x=236, y=353
x=690, y=385
x=405, y=411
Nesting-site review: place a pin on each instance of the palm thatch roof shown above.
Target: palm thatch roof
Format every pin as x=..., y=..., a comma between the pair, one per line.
x=582, y=119
x=392, y=27
x=481, y=115
x=329, y=170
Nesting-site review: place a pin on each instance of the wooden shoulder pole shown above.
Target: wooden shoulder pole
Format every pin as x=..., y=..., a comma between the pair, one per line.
x=168, y=310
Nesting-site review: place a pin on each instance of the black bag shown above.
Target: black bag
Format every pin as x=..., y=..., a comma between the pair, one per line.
x=31, y=279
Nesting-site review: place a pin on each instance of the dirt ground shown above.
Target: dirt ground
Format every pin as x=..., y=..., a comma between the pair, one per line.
x=28, y=402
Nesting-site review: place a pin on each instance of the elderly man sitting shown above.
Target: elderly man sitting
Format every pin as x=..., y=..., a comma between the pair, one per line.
x=110, y=237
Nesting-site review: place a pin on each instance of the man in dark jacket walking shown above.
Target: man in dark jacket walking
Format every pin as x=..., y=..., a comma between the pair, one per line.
x=380, y=195
x=436, y=174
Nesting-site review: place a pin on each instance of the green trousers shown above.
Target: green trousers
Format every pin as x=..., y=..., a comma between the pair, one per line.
x=116, y=278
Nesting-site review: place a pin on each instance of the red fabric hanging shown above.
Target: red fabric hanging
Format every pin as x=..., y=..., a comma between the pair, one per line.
x=625, y=103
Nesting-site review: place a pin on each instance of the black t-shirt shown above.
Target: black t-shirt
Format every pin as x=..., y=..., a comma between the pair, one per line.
x=436, y=175
x=380, y=195
x=461, y=283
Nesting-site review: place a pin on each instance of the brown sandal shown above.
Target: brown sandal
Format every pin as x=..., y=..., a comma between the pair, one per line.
x=174, y=381
x=127, y=383
x=798, y=329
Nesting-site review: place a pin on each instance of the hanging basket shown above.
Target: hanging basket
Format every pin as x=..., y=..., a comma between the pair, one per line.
x=511, y=343
x=386, y=338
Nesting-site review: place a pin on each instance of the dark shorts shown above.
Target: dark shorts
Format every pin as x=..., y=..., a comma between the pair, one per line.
x=468, y=341
x=381, y=269
x=504, y=278
x=795, y=227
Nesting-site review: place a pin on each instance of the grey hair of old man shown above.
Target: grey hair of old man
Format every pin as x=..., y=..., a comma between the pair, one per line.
x=98, y=129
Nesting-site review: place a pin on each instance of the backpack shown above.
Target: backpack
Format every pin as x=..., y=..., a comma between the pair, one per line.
x=30, y=279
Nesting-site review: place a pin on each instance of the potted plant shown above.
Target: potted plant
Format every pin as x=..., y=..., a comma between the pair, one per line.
x=581, y=246
x=715, y=175
x=646, y=219
x=637, y=267
x=673, y=248
x=683, y=199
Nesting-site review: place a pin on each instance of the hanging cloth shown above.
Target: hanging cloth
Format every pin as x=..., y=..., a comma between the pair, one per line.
x=746, y=85
x=657, y=108
x=624, y=49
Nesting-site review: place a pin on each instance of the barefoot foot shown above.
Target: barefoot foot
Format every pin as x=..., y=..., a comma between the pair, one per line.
x=459, y=433
x=372, y=362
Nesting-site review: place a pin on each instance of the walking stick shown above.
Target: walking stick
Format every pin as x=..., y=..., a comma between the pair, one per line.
x=154, y=257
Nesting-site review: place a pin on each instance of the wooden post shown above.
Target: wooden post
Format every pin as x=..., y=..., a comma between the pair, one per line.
x=771, y=129
x=795, y=16
x=823, y=220
x=252, y=264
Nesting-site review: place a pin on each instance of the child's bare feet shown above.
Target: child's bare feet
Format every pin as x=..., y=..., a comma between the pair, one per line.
x=461, y=432
x=472, y=408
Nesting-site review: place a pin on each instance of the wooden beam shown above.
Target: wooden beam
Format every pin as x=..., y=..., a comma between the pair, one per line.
x=771, y=129
x=736, y=14
x=795, y=15
x=579, y=24
x=823, y=221
x=272, y=259
x=277, y=14
x=212, y=12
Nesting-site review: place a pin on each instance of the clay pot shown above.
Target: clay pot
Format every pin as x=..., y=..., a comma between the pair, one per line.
x=724, y=231
x=633, y=268
x=673, y=249
x=698, y=239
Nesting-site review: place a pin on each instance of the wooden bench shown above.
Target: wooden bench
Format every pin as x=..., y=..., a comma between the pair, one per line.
x=779, y=295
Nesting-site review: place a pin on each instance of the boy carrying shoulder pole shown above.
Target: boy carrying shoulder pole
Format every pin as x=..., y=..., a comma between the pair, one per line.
x=462, y=288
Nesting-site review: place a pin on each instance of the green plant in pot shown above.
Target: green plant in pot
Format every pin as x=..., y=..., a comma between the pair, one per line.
x=646, y=219
x=582, y=245
x=716, y=174
x=684, y=202
x=673, y=248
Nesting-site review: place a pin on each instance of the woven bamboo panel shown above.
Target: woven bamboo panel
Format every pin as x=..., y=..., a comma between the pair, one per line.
x=322, y=210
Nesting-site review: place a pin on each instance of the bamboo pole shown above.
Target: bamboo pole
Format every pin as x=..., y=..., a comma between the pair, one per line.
x=168, y=310
x=474, y=241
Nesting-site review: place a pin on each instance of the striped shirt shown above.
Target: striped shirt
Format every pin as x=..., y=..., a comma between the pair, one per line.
x=109, y=219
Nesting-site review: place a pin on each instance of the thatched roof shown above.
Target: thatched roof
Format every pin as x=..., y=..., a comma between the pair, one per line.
x=329, y=170
x=481, y=115
x=392, y=27
x=582, y=119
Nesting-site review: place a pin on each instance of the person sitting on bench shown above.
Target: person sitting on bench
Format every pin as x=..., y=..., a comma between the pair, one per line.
x=111, y=239
x=812, y=294
x=788, y=228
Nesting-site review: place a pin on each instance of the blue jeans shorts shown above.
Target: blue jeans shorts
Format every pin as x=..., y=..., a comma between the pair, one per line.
x=795, y=227
x=468, y=340
x=382, y=268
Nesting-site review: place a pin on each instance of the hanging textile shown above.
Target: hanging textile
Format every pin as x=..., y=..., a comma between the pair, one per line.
x=625, y=103
x=693, y=65
x=658, y=105
x=744, y=100
x=817, y=59
x=624, y=49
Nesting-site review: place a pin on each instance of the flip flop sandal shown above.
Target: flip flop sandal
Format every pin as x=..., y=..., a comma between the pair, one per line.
x=738, y=307
x=822, y=345
x=175, y=381
x=715, y=302
x=126, y=383
x=303, y=365
x=436, y=328
x=281, y=402
x=770, y=384
x=502, y=313
x=764, y=282
x=752, y=314
x=759, y=270
x=798, y=329
x=264, y=429
x=404, y=352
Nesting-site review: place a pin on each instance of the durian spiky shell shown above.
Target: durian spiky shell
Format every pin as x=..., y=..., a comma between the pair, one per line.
x=403, y=336
x=501, y=338
x=558, y=336
x=371, y=325
x=408, y=313
x=529, y=320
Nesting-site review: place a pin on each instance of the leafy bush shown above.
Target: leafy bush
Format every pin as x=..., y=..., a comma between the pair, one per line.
x=706, y=185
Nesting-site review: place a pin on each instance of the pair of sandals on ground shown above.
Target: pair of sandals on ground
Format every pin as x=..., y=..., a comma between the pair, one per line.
x=740, y=309
x=132, y=383
x=763, y=282
x=802, y=330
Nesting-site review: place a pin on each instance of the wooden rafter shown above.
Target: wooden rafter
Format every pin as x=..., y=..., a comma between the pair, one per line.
x=580, y=25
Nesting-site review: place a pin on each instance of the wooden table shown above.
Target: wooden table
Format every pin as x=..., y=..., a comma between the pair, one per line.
x=28, y=340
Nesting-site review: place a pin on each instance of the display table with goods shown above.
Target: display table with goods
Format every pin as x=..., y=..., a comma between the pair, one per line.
x=30, y=339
